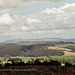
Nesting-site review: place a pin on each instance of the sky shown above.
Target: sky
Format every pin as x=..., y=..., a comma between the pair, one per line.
x=34, y=19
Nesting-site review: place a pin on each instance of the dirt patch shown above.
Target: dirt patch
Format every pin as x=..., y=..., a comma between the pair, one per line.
x=66, y=53
x=65, y=50
x=59, y=48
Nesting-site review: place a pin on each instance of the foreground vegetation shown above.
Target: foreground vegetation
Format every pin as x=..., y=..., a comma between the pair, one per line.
x=36, y=67
x=50, y=61
x=39, y=70
x=70, y=59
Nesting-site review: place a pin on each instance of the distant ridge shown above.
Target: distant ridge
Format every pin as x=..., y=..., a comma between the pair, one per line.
x=27, y=41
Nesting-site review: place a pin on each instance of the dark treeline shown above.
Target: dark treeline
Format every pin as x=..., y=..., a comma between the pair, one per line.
x=19, y=62
x=33, y=62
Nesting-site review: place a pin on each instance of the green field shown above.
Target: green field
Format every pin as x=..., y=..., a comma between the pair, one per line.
x=53, y=57
x=65, y=45
x=1, y=58
x=25, y=59
x=60, y=57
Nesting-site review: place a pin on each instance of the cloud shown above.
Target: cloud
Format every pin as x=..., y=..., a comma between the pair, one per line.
x=9, y=34
x=6, y=19
x=12, y=4
x=50, y=18
x=38, y=32
x=33, y=20
x=6, y=5
x=52, y=22
x=62, y=17
x=58, y=31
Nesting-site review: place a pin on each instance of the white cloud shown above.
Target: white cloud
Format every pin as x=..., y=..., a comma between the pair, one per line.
x=61, y=17
x=38, y=32
x=24, y=27
x=55, y=21
x=12, y=34
x=54, y=18
x=6, y=19
x=33, y=20
x=67, y=5
x=11, y=4
x=58, y=31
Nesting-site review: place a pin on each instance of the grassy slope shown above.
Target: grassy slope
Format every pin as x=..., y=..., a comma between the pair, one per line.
x=27, y=50
x=25, y=59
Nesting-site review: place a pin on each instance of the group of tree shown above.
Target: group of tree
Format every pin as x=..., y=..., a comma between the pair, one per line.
x=19, y=62
x=36, y=67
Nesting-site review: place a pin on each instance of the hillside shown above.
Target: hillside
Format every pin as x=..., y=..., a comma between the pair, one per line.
x=27, y=50
x=40, y=49
x=37, y=40
x=68, y=49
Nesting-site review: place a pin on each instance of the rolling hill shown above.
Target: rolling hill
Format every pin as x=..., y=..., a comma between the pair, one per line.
x=36, y=49
x=32, y=41
x=27, y=50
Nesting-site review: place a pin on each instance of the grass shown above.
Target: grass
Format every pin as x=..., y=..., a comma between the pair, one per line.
x=65, y=45
x=60, y=57
x=66, y=58
x=25, y=59
x=1, y=58
x=53, y=57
